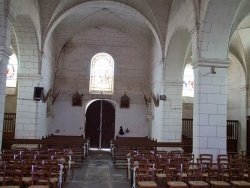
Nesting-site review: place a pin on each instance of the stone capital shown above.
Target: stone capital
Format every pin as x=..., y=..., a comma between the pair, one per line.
x=172, y=83
x=37, y=77
x=5, y=52
x=245, y=88
x=220, y=63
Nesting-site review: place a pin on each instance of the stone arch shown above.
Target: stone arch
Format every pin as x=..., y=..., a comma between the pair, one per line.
x=216, y=30
x=237, y=97
x=183, y=15
x=237, y=50
x=119, y=6
x=176, y=54
x=173, y=84
x=27, y=44
x=241, y=16
x=30, y=9
x=239, y=68
x=14, y=43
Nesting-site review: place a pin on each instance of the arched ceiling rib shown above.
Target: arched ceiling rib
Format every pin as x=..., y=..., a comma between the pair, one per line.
x=129, y=16
x=237, y=48
x=97, y=18
x=242, y=13
x=28, y=7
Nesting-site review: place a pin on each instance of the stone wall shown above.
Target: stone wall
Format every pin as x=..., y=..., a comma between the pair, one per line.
x=131, y=61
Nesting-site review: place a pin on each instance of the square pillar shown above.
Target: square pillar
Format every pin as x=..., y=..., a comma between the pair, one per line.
x=210, y=107
x=172, y=111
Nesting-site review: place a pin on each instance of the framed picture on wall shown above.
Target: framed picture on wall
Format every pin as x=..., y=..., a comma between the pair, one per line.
x=76, y=99
x=124, y=101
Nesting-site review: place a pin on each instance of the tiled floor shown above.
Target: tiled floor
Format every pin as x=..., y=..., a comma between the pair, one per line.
x=98, y=171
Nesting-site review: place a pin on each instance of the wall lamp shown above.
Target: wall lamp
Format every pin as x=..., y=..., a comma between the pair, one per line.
x=163, y=97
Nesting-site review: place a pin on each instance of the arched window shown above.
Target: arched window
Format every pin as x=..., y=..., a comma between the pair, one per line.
x=12, y=71
x=102, y=74
x=188, y=82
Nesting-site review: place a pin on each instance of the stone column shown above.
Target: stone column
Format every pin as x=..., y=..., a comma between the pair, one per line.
x=6, y=21
x=28, y=113
x=4, y=59
x=172, y=111
x=242, y=136
x=210, y=106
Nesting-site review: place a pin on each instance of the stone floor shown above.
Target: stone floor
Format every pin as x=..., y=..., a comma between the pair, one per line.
x=98, y=171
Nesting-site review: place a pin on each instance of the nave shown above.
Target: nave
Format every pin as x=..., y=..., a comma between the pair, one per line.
x=98, y=171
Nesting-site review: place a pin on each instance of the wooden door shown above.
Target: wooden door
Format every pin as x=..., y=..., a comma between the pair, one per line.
x=248, y=136
x=100, y=123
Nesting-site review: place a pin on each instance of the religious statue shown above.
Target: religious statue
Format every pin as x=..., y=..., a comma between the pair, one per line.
x=148, y=103
x=121, y=132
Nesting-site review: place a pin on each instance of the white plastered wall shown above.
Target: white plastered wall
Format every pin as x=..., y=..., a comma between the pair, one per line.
x=131, y=76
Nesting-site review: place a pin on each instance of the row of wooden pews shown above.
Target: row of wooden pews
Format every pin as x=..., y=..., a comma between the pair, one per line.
x=123, y=146
x=57, y=164
x=78, y=143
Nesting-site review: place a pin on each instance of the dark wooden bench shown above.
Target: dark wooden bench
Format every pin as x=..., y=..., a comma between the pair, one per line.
x=79, y=144
x=122, y=147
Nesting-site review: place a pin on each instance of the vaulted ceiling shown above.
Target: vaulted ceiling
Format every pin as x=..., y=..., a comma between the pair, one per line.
x=140, y=19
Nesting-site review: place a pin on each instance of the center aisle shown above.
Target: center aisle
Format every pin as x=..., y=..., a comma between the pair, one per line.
x=98, y=171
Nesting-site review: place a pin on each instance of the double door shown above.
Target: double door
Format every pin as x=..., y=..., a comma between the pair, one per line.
x=100, y=123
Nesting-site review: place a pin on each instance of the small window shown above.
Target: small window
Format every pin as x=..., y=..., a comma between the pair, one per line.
x=12, y=71
x=188, y=82
x=102, y=74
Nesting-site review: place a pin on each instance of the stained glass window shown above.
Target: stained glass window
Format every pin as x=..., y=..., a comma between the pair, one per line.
x=102, y=74
x=12, y=71
x=188, y=82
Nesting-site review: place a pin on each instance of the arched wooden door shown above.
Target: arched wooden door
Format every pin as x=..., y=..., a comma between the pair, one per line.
x=100, y=124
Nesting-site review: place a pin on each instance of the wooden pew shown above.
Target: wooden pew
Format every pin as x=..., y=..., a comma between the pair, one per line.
x=70, y=142
x=124, y=145
x=78, y=143
x=120, y=148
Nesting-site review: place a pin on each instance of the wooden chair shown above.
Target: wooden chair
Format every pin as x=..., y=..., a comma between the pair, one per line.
x=7, y=157
x=27, y=168
x=219, y=184
x=41, y=175
x=187, y=157
x=222, y=171
x=223, y=168
x=1, y=173
x=240, y=184
x=194, y=178
x=55, y=174
x=42, y=157
x=212, y=172
x=204, y=164
x=160, y=170
x=12, y=176
x=223, y=156
x=174, y=175
x=145, y=178
x=206, y=156
x=64, y=160
x=246, y=170
x=235, y=170
x=236, y=175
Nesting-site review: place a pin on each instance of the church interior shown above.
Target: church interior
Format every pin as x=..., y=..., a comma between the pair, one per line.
x=172, y=71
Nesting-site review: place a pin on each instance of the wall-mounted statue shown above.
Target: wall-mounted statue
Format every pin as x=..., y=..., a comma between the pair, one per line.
x=148, y=103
